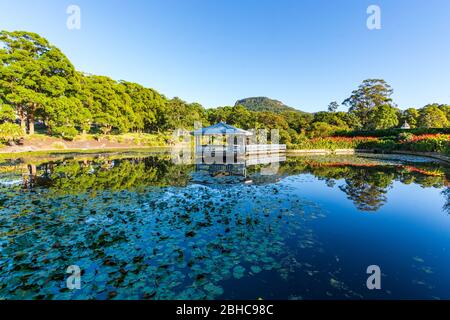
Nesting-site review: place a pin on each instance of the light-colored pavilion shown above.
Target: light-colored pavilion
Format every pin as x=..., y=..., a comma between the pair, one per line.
x=224, y=148
x=405, y=126
x=222, y=137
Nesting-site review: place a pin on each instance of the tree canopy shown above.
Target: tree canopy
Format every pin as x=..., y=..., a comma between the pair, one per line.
x=39, y=85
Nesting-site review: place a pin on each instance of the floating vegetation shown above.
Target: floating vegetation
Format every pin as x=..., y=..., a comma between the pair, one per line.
x=140, y=228
x=155, y=243
x=238, y=272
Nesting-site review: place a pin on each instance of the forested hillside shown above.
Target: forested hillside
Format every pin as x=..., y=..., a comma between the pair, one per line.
x=264, y=104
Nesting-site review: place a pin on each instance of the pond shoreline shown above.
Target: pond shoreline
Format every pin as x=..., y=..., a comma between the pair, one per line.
x=93, y=151
x=85, y=144
x=433, y=155
x=20, y=151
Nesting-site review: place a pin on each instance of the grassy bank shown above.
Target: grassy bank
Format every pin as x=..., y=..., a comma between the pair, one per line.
x=88, y=143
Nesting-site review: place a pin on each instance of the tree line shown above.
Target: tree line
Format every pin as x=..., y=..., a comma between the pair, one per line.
x=38, y=84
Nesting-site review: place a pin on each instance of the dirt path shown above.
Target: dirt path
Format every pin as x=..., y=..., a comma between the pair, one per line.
x=57, y=144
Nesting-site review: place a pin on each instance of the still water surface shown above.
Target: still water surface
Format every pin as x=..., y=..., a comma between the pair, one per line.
x=142, y=227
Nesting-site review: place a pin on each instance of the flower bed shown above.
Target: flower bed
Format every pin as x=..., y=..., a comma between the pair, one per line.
x=426, y=143
x=333, y=143
x=407, y=142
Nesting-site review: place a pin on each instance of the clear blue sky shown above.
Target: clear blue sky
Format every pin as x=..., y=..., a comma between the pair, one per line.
x=304, y=53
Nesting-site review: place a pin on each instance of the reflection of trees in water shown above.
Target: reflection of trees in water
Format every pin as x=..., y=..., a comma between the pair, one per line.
x=142, y=243
x=367, y=184
x=367, y=191
x=73, y=176
x=446, y=194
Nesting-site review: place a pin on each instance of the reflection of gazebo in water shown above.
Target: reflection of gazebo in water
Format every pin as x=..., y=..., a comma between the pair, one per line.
x=224, y=148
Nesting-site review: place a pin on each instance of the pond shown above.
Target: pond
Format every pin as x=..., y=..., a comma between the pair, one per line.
x=142, y=227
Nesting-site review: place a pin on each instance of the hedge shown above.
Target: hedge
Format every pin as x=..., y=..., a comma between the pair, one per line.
x=405, y=141
x=391, y=132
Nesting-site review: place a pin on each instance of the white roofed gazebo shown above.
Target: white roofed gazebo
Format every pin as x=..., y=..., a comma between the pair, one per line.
x=221, y=128
x=222, y=147
x=222, y=137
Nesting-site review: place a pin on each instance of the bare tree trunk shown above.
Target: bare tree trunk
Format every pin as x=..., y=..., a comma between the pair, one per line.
x=31, y=123
x=23, y=122
x=49, y=128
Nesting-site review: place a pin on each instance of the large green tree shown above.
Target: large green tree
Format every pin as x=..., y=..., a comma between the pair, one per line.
x=146, y=104
x=109, y=104
x=410, y=116
x=32, y=73
x=382, y=117
x=432, y=116
x=370, y=94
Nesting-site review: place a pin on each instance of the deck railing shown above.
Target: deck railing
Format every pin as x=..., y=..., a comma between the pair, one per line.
x=251, y=148
x=248, y=149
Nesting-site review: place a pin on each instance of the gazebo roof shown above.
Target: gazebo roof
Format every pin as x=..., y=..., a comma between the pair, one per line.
x=221, y=128
x=406, y=126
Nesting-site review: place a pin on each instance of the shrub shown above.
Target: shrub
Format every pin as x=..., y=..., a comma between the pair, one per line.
x=405, y=136
x=332, y=143
x=405, y=141
x=58, y=145
x=427, y=143
x=392, y=132
x=10, y=132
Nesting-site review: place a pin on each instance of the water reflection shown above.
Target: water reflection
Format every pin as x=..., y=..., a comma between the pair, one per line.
x=366, y=180
x=142, y=227
x=169, y=243
x=446, y=194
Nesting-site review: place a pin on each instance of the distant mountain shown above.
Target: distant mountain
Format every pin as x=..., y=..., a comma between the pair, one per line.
x=264, y=104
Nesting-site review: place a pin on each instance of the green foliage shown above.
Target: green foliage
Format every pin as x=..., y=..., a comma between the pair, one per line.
x=411, y=116
x=147, y=103
x=405, y=136
x=7, y=113
x=322, y=129
x=432, y=116
x=426, y=143
x=298, y=121
x=333, y=106
x=39, y=83
x=333, y=143
x=33, y=73
x=109, y=104
x=10, y=132
x=405, y=141
x=371, y=93
x=67, y=133
x=179, y=114
x=383, y=117
x=392, y=132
